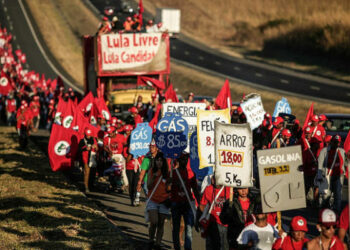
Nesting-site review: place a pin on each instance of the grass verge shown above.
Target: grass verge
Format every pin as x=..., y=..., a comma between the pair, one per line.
x=39, y=209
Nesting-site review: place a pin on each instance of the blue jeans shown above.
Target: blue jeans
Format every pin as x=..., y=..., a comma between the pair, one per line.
x=336, y=188
x=179, y=209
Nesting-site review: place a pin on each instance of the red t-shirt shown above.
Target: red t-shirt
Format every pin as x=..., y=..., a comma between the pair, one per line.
x=344, y=218
x=245, y=205
x=177, y=192
x=35, y=107
x=131, y=164
x=11, y=105
x=115, y=144
x=208, y=197
x=288, y=244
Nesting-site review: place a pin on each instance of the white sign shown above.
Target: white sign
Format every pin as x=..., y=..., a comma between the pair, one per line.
x=233, y=155
x=188, y=112
x=253, y=110
x=205, y=134
x=126, y=51
x=281, y=183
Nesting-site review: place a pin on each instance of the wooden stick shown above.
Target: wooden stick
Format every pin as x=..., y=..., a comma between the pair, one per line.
x=231, y=193
x=279, y=220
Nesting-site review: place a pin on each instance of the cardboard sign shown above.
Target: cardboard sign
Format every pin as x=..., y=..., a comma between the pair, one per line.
x=188, y=112
x=194, y=160
x=233, y=155
x=171, y=135
x=205, y=132
x=253, y=109
x=282, y=106
x=281, y=183
x=140, y=139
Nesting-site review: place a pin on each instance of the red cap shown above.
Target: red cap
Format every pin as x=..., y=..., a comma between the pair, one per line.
x=150, y=22
x=298, y=223
x=36, y=98
x=160, y=24
x=119, y=121
x=240, y=110
x=267, y=116
x=111, y=130
x=296, y=121
x=278, y=120
x=133, y=110
x=286, y=132
x=328, y=138
x=70, y=89
x=88, y=132
x=128, y=128
x=322, y=118
x=52, y=101
x=308, y=130
x=154, y=95
x=336, y=138
x=114, y=120
x=327, y=217
x=105, y=18
x=128, y=19
x=191, y=94
x=315, y=118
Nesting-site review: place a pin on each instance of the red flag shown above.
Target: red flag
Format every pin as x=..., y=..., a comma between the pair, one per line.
x=347, y=142
x=310, y=113
x=154, y=121
x=102, y=108
x=68, y=114
x=53, y=84
x=171, y=94
x=79, y=120
x=61, y=106
x=144, y=80
x=5, y=85
x=141, y=10
x=63, y=146
x=85, y=105
x=223, y=100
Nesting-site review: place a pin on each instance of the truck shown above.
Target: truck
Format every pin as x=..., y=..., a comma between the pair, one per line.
x=122, y=66
x=170, y=18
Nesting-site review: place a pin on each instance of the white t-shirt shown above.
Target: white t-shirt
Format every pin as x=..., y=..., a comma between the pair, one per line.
x=262, y=237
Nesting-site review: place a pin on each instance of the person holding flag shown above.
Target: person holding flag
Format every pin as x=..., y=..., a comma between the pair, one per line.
x=87, y=149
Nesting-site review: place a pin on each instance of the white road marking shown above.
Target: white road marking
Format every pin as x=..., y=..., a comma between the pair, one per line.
x=14, y=37
x=315, y=88
x=173, y=47
x=11, y=27
x=187, y=53
x=284, y=81
x=27, y=65
x=201, y=58
x=8, y=18
x=258, y=74
x=18, y=46
x=348, y=94
x=237, y=68
x=217, y=63
x=5, y=9
x=42, y=50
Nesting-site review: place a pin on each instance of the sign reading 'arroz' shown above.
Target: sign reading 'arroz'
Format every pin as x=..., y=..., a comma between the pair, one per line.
x=233, y=155
x=281, y=183
x=205, y=134
x=188, y=111
x=253, y=109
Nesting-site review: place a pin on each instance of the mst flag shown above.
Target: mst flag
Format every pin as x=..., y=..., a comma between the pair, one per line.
x=68, y=114
x=63, y=146
x=86, y=104
x=170, y=94
x=310, y=113
x=223, y=100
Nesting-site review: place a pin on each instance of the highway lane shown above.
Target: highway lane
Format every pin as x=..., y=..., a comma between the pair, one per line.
x=19, y=22
x=262, y=76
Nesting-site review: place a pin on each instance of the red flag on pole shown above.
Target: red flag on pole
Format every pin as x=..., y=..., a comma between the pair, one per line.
x=63, y=146
x=310, y=113
x=141, y=10
x=85, y=105
x=171, y=94
x=102, y=108
x=68, y=114
x=223, y=100
x=154, y=121
x=144, y=80
x=5, y=85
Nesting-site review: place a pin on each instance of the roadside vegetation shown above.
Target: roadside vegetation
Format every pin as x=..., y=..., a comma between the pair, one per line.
x=39, y=209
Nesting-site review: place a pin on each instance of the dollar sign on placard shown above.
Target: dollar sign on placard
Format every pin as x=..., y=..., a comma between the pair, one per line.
x=161, y=141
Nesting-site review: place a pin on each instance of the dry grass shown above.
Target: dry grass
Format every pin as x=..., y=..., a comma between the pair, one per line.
x=187, y=80
x=62, y=23
x=39, y=209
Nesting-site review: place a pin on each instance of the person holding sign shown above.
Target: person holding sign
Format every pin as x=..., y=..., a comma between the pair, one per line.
x=296, y=240
x=157, y=205
x=237, y=213
x=212, y=228
x=182, y=202
x=259, y=235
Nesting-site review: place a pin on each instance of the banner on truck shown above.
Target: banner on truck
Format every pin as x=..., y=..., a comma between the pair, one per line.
x=233, y=155
x=120, y=54
x=205, y=134
x=281, y=183
x=253, y=109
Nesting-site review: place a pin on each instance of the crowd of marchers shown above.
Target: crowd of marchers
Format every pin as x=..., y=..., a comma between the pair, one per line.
x=30, y=102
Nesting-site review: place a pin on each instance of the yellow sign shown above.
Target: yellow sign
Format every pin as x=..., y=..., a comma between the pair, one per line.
x=276, y=170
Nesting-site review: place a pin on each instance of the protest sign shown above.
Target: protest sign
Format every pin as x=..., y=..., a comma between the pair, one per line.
x=233, y=155
x=194, y=160
x=253, y=109
x=282, y=106
x=188, y=112
x=205, y=134
x=281, y=183
x=171, y=135
x=140, y=139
